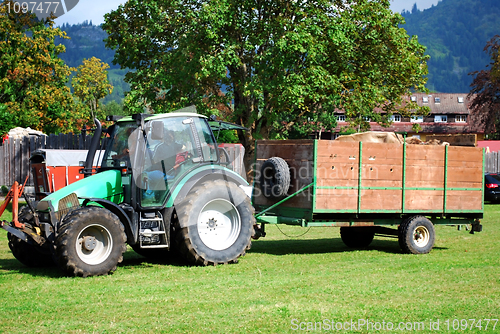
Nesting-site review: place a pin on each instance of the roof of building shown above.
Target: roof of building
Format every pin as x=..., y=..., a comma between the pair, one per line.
x=440, y=104
x=443, y=103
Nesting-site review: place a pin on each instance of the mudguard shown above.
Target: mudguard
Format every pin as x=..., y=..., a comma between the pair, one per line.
x=199, y=175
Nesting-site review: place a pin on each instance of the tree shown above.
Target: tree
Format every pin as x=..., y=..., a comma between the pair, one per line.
x=91, y=84
x=485, y=91
x=113, y=108
x=282, y=64
x=33, y=78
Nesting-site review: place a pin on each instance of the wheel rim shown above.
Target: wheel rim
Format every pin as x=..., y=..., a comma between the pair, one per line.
x=421, y=236
x=94, y=244
x=219, y=224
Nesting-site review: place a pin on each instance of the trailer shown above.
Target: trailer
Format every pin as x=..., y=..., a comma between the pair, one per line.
x=369, y=189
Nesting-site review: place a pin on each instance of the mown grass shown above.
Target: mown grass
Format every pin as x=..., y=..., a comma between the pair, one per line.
x=311, y=278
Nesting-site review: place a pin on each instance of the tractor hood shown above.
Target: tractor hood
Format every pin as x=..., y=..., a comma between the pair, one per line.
x=105, y=185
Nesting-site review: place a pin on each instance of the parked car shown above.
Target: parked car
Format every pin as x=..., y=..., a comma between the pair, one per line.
x=492, y=187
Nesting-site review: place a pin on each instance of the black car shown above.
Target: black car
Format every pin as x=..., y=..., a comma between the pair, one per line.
x=492, y=187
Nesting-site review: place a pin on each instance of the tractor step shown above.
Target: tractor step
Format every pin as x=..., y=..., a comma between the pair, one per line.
x=154, y=246
x=152, y=232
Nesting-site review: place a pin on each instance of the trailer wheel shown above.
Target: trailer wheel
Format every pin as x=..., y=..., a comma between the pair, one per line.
x=215, y=223
x=274, y=178
x=29, y=255
x=416, y=235
x=90, y=242
x=356, y=237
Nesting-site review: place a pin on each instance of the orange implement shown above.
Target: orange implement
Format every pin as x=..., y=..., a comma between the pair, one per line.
x=13, y=195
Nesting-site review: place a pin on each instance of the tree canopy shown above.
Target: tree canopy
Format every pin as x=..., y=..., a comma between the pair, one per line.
x=485, y=89
x=32, y=77
x=279, y=65
x=91, y=83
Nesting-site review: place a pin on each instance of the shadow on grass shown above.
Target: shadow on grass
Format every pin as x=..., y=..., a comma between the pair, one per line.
x=321, y=246
x=133, y=259
x=13, y=266
x=273, y=247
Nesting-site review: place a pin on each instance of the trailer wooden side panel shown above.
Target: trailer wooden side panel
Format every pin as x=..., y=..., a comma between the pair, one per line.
x=337, y=174
x=395, y=178
x=353, y=177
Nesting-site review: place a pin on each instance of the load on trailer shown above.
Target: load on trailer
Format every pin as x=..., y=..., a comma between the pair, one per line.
x=161, y=178
x=366, y=187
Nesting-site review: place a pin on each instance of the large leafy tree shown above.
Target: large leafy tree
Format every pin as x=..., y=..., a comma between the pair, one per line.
x=33, y=78
x=91, y=84
x=281, y=64
x=485, y=90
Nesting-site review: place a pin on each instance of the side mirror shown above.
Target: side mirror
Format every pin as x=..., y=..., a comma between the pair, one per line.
x=156, y=130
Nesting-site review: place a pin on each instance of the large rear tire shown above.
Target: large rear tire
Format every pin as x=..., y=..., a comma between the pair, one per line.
x=357, y=237
x=90, y=242
x=215, y=223
x=28, y=254
x=416, y=235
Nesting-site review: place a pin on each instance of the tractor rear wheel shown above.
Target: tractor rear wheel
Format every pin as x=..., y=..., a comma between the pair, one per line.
x=215, y=223
x=28, y=254
x=357, y=237
x=90, y=242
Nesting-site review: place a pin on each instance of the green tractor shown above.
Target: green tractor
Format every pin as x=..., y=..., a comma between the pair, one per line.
x=160, y=185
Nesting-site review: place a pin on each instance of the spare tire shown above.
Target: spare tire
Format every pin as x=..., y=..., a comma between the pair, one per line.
x=274, y=178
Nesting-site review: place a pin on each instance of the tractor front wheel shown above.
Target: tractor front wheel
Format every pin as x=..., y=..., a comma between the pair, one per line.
x=215, y=223
x=28, y=254
x=90, y=242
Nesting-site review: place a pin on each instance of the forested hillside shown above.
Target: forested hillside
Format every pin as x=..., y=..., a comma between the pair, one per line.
x=455, y=33
x=86, y=42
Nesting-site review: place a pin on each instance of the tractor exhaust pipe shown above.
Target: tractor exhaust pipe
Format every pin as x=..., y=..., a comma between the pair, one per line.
x=87, y=170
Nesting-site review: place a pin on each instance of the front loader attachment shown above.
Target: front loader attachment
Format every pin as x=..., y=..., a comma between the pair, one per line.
x=13, y=195
x=15, y=227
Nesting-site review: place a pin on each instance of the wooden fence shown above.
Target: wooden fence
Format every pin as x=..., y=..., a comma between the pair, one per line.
x=492, y=162
x=15, y=153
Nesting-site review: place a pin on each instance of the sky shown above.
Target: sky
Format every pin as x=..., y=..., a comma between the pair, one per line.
x=94, y=10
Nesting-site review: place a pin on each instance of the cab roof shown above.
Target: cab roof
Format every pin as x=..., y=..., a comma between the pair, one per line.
x=184, y=112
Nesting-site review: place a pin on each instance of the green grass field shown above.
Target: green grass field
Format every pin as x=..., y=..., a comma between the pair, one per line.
x=282, y=285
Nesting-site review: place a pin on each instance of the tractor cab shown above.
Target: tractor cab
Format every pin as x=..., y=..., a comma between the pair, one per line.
x=155, y=156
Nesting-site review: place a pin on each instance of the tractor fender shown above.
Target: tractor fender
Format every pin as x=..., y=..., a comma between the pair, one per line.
x=200, y=175
x=119, y=212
